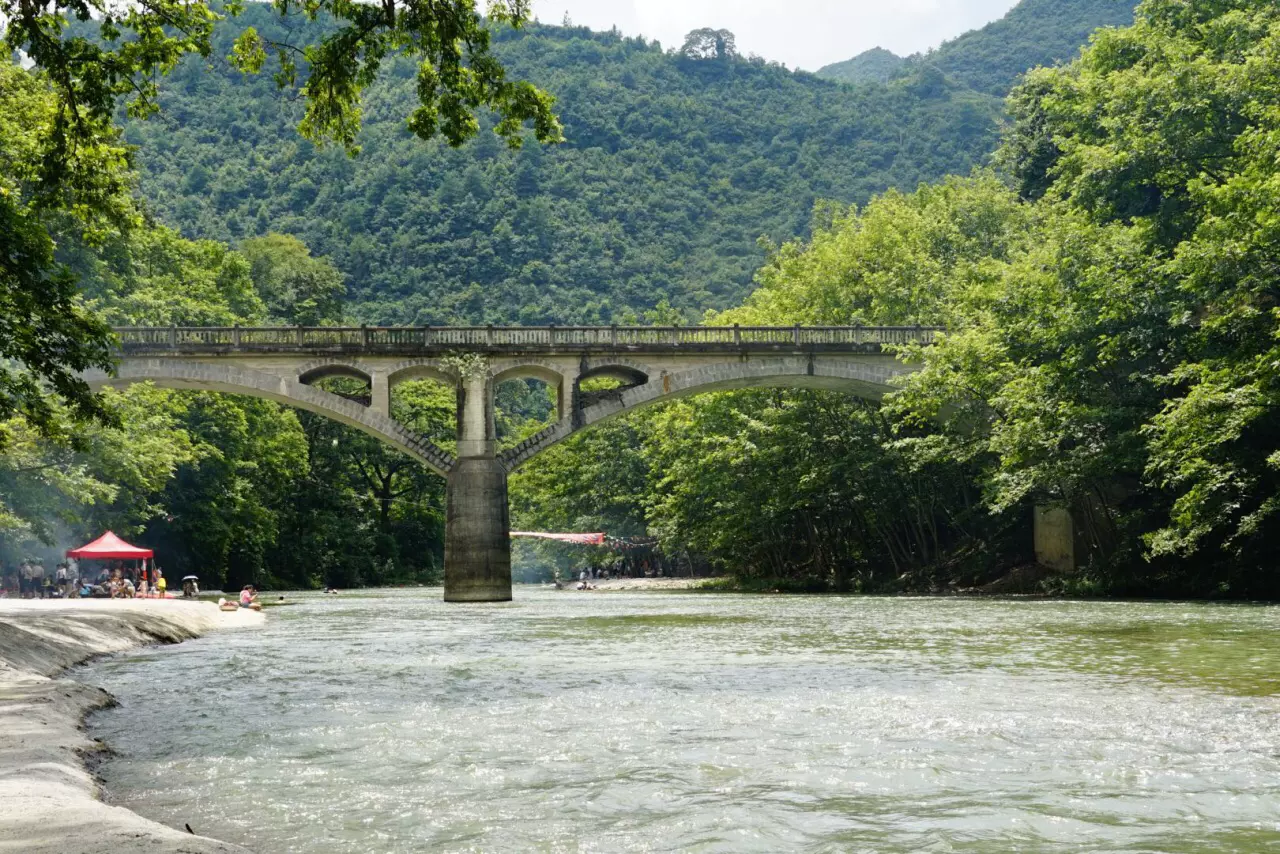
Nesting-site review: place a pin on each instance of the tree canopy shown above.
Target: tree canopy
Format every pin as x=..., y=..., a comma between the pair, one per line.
x=46, y=335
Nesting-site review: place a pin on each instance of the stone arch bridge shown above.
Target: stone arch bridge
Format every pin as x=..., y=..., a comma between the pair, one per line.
x=648, y=364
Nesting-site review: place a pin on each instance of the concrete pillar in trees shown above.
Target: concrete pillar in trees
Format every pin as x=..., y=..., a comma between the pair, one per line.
x=567, y=391
x=476, y=431
x=380, y=393
x=1054, y=533
x=477, y=540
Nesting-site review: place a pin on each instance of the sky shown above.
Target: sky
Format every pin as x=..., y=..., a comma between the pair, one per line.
x=805, y=34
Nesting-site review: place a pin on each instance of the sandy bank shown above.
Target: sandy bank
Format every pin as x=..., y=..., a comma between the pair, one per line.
x=641, y=584
x=48, y=801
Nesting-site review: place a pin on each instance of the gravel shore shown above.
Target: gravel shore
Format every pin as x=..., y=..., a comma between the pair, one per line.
x=48, y=800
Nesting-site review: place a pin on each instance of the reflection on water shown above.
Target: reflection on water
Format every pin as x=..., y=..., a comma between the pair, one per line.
x=390, y=722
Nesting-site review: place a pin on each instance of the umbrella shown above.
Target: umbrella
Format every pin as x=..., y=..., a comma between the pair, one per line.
x=190, y=578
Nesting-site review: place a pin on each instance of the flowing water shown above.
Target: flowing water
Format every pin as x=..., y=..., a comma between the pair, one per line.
x=614, y=722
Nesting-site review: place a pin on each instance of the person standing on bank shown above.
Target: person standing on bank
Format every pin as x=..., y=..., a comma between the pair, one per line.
x=31, y=577
x=73, y=577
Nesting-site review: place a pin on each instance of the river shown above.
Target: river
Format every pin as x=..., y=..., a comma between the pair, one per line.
x=387, y=721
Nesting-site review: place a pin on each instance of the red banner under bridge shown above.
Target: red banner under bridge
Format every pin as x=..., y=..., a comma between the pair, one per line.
x=578, y=539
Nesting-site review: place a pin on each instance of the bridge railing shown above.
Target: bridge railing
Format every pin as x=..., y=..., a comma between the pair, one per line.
x=505, y=337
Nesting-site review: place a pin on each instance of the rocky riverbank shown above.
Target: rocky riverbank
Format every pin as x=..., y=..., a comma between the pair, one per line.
x=48, y=800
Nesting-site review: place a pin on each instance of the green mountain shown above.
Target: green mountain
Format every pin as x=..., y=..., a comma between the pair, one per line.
x=873, y=66
x=673, y=170
x=1034, y=33
x=991, y=59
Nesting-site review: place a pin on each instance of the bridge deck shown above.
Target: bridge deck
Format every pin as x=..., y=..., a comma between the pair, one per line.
x=419, y=340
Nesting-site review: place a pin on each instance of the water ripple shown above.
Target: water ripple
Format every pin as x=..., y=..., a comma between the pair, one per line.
x=389, y=722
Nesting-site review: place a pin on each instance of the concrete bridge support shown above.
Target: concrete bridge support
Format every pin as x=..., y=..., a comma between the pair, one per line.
x=1055, y=536
x=477, y=541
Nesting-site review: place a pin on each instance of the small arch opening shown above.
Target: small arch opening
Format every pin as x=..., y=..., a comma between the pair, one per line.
x=429, y=407
x=608, y=381
x=523, y=406
x=423, y=370
x=542, y=373
x=624, y=374
x=527, y=397
x=350, y=384
x=324, y=372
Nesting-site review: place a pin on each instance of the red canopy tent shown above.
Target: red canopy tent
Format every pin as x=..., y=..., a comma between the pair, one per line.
x=580, y=539
x=109, y=547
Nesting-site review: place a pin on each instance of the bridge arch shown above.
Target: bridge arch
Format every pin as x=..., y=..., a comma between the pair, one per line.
x=319, y=369
x=555, y=376
x=620, y=369
x=542, y=370
x=616, y=366
x=421, y=369
x=231, y=379
x=863, y=379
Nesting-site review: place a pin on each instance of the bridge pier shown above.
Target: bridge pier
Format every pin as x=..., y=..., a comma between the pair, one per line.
x=477, y=538
x=477, y=533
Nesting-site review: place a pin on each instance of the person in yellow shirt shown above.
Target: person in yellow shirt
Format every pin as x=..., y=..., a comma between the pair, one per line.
x=160, y=583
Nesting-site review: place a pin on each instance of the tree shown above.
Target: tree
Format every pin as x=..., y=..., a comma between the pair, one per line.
x=152, y=276
x=1169, y=129
x=46, y=335
x=114, y=478
x=707, y=43
x=296, y=288
x=457, y=73
x=893, y=262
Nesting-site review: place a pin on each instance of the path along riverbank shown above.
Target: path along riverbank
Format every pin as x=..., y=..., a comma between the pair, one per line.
x=48, y=800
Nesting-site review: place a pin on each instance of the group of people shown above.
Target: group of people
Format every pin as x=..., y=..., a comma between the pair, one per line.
x=31, y=580
x=125, y=582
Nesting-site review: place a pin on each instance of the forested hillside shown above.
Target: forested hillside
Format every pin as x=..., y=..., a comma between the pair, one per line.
x=672, y=169
x=1034, y=33
x=991, y=59
x=872, y=66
